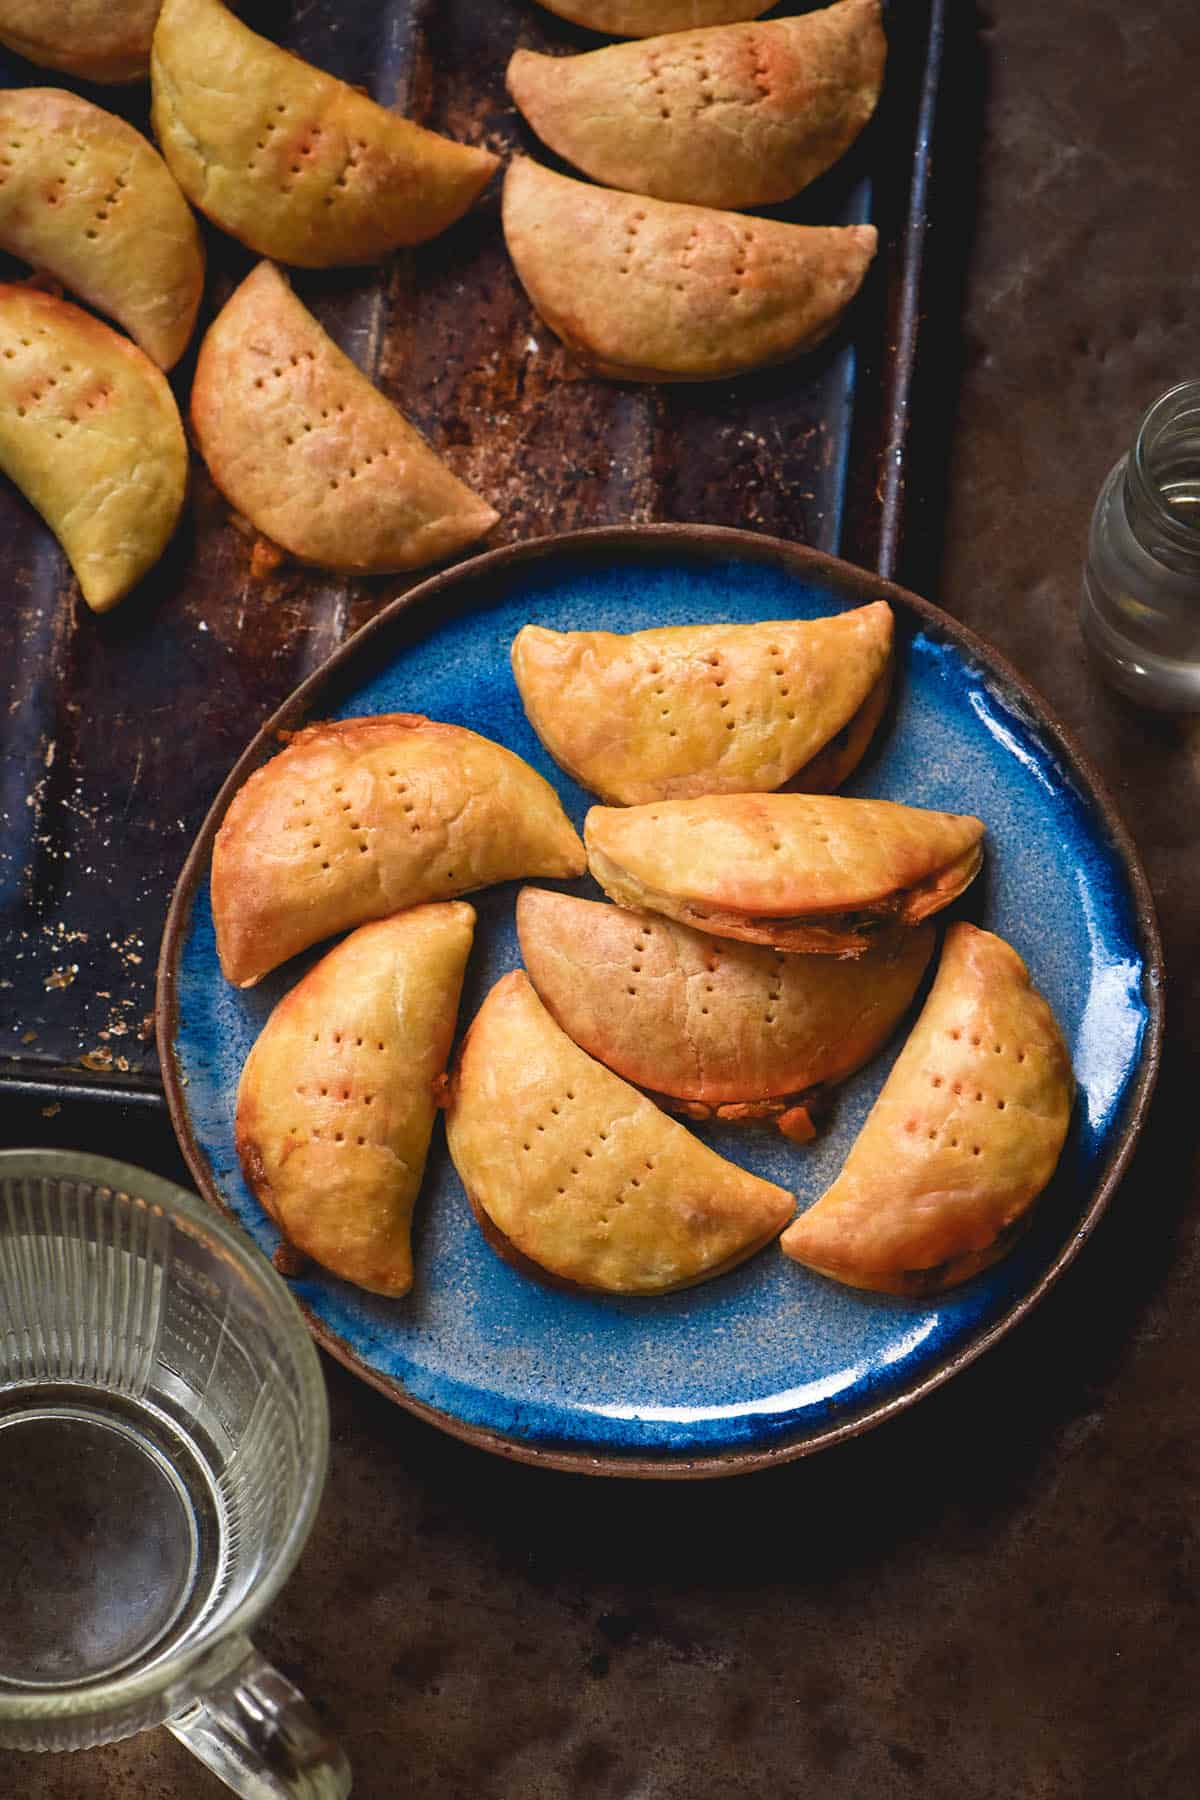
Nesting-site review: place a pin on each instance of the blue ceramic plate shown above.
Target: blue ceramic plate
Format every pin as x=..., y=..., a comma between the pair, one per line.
x=768, y=1361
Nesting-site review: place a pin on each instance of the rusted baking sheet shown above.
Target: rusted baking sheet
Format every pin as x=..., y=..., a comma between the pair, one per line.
x=117, y=731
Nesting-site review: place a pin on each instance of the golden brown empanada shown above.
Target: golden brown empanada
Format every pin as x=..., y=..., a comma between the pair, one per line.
x=98, y=40
x=646, y=290
x=359, y=818
x=803, y=872
x=738, y=115
x=728, y=1027
x=639, y=18
x=336, y=1101
x=298, y=441
x=707, y=709
x=290, y=161
x=84, y=197
x=90, y=433
x=572, y=1170
x=963, y=1138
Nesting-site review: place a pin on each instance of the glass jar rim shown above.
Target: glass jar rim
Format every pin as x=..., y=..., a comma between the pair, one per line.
x=1169, y=405
x=99, y=1698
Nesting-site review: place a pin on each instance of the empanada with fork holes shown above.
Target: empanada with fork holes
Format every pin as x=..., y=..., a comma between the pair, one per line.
x=734, y=1029
x=359, y=818
x=964, y=1136
x=802, y=872
x=97, y=40
x=572, y=1171
x=303, y=446
x=336, y=1102
x=708, y=709
x=648, y=290
x=85, y=198
x=639, y=18
x=290, y=161
x=734, y=116
x=90, y=433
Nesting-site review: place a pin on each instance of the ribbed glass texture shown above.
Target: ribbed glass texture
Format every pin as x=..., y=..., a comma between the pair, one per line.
x=156, y=1382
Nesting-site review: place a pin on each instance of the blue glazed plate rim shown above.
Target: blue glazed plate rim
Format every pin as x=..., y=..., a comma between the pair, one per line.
x=469, y=580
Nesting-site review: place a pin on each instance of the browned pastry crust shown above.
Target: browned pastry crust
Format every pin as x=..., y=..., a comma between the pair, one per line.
x=733, y=1027
x=336, y=1101
x=580, y=1174
x=802, y=872
x=963, y=1138
x=303, y=446
x=733, y=116
x=648, y=290
x=689, y=710
x=290, y=161
x=97, y=40
x=359, y=818
x=84, y=198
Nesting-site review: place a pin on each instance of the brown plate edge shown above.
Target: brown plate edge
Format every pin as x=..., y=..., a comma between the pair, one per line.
x=801, y=561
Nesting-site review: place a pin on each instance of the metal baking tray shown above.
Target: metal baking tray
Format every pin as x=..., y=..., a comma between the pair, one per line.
x=116, y=731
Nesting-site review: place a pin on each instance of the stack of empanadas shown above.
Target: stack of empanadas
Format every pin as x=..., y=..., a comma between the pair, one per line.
x=662, y=281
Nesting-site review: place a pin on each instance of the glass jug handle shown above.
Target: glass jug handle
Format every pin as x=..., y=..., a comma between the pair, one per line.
x=260, y=1735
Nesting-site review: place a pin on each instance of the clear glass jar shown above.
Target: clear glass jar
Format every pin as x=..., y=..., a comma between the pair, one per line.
x=1141, y=586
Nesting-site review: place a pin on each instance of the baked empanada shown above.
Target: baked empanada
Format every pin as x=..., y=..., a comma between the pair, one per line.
x=571, y=1170
x=98, y=40
x=639, y=18
x=90, y=433
x=803, y=872
x=728, y=1027
x=287, y=159
x=359, y=818
x=298, y=441
x=963, y=1138
x=336, y=1101
x=86, y=198
x=707, y=709
x=738, y=115
x=647, y=290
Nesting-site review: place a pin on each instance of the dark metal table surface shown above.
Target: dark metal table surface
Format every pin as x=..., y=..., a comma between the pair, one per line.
x=1000, y=1594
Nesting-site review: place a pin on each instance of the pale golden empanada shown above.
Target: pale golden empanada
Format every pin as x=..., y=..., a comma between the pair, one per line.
x=963, y=1138
x=298, y=441
x=803, y=872
x=90, y=433
x=290, y=161
x=336, y=1101
x=738, y=115
x=639, y=18
x=84, y=197
x=707, y=709
x=98, y=40
x=726, y=1026
x=359, y=818
x=574, y=1171
x=646, y=290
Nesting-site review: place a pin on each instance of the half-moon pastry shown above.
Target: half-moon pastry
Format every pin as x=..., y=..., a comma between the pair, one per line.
x=728, y=1027
x=803, y=872
x=359, y=818
x=707, y=709
x=571, y=1170
x=336, y=1102
x=84, y=197
x=96, y=40
x=302, y=445
x=639, y=18
x=963, y=1138
x=90, y=433
x=647, y=290
x=287, y=159
x=738, y=115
